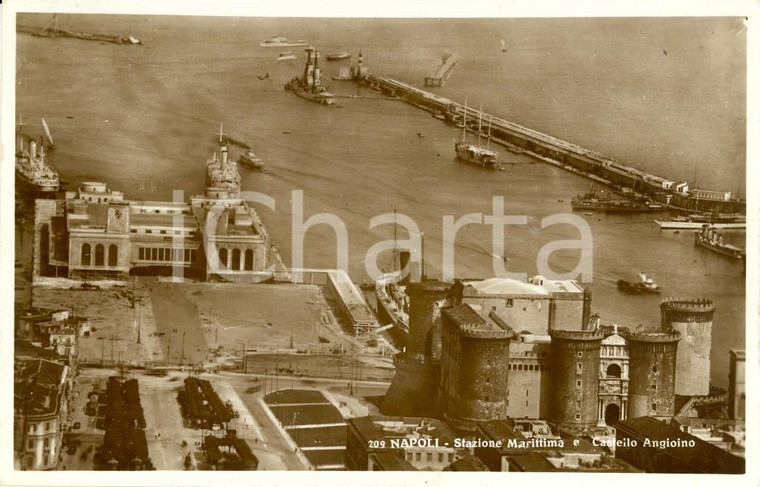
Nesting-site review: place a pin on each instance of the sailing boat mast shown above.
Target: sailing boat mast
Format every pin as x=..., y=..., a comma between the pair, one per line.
x=480, y=120
x=422, y=238
x=696, y=206
x=20, y=136
x=464, y=121
x=488, y=141
x=395, y=248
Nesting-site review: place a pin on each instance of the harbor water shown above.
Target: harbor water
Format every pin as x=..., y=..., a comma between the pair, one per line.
x=663, y=95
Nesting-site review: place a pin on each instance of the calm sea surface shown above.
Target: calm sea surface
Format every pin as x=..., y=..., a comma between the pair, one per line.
x=664, y=95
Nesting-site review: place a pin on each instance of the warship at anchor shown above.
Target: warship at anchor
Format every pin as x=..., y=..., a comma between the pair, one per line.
x=309, y=86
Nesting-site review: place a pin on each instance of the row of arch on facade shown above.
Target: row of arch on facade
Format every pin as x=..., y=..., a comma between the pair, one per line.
x=613, y=370
x=236, y=260
x=97, y=256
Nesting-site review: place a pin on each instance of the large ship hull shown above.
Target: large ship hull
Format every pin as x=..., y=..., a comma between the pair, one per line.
x=632, y=209
x=727, y=250
x=38, y=187
x=386, y=314
x=613, y=206
x=466, y=154
x=320, y=98
x=588, y=206
x=678, y=225
x=399, y=331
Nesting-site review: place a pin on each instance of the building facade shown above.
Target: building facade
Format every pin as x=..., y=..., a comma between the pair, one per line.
x=414, y=444
x=654, y=446
x=41, y=397
x=94, y=233
x=613, y=379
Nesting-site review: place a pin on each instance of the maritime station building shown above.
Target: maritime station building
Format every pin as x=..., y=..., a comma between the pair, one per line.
x=95, y=233
x=500, y=348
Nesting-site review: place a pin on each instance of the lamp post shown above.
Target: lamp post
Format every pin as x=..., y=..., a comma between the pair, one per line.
x=139, y=322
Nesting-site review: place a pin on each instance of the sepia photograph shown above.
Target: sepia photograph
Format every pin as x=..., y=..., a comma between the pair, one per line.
x=467, y=243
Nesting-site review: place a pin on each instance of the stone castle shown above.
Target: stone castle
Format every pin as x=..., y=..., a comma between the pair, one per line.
x=498, y=348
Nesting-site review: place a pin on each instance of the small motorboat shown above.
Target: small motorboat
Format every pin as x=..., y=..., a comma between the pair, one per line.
x=645, y=285
x=286, y=56
x=337, y=56
x=248, y=158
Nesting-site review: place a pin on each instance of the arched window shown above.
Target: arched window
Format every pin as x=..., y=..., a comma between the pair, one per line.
x=235, y=260
x=222, y=258
x=613, y=370
x=86, y=257
x=249, y=260
x=100, y=257
x=113, y=255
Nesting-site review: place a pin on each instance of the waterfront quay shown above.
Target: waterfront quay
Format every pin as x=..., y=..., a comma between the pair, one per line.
x=563, y=154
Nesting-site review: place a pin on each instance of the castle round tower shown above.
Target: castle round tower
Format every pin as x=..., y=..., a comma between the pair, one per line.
x=692, y=318
x=575, y=368
x=414, y=390
x=474, y=366
x=652, y=373
x=426, y=299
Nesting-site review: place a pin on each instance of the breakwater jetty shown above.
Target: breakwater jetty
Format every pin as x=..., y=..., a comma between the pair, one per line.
x=568, y=156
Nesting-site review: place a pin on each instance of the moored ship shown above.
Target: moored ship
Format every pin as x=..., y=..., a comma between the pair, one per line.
x=590, y=201
x=710, y=239
x=32, y=168
x=628, y=206
x=695, y=222
x=393, y=306
x=310, y=85
x=475, y=154
x=221, y=173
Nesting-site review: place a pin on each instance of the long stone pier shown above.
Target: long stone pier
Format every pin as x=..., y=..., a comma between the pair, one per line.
x=569, y=156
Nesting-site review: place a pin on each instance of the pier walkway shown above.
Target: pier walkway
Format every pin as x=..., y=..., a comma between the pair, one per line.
x=569, y=156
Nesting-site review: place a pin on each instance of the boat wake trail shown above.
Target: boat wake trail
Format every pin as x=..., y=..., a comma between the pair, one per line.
x=235, y=142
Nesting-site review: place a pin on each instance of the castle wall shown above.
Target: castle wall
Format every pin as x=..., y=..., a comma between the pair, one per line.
x=568, y=314
x=521, y=313
x=529, y=393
